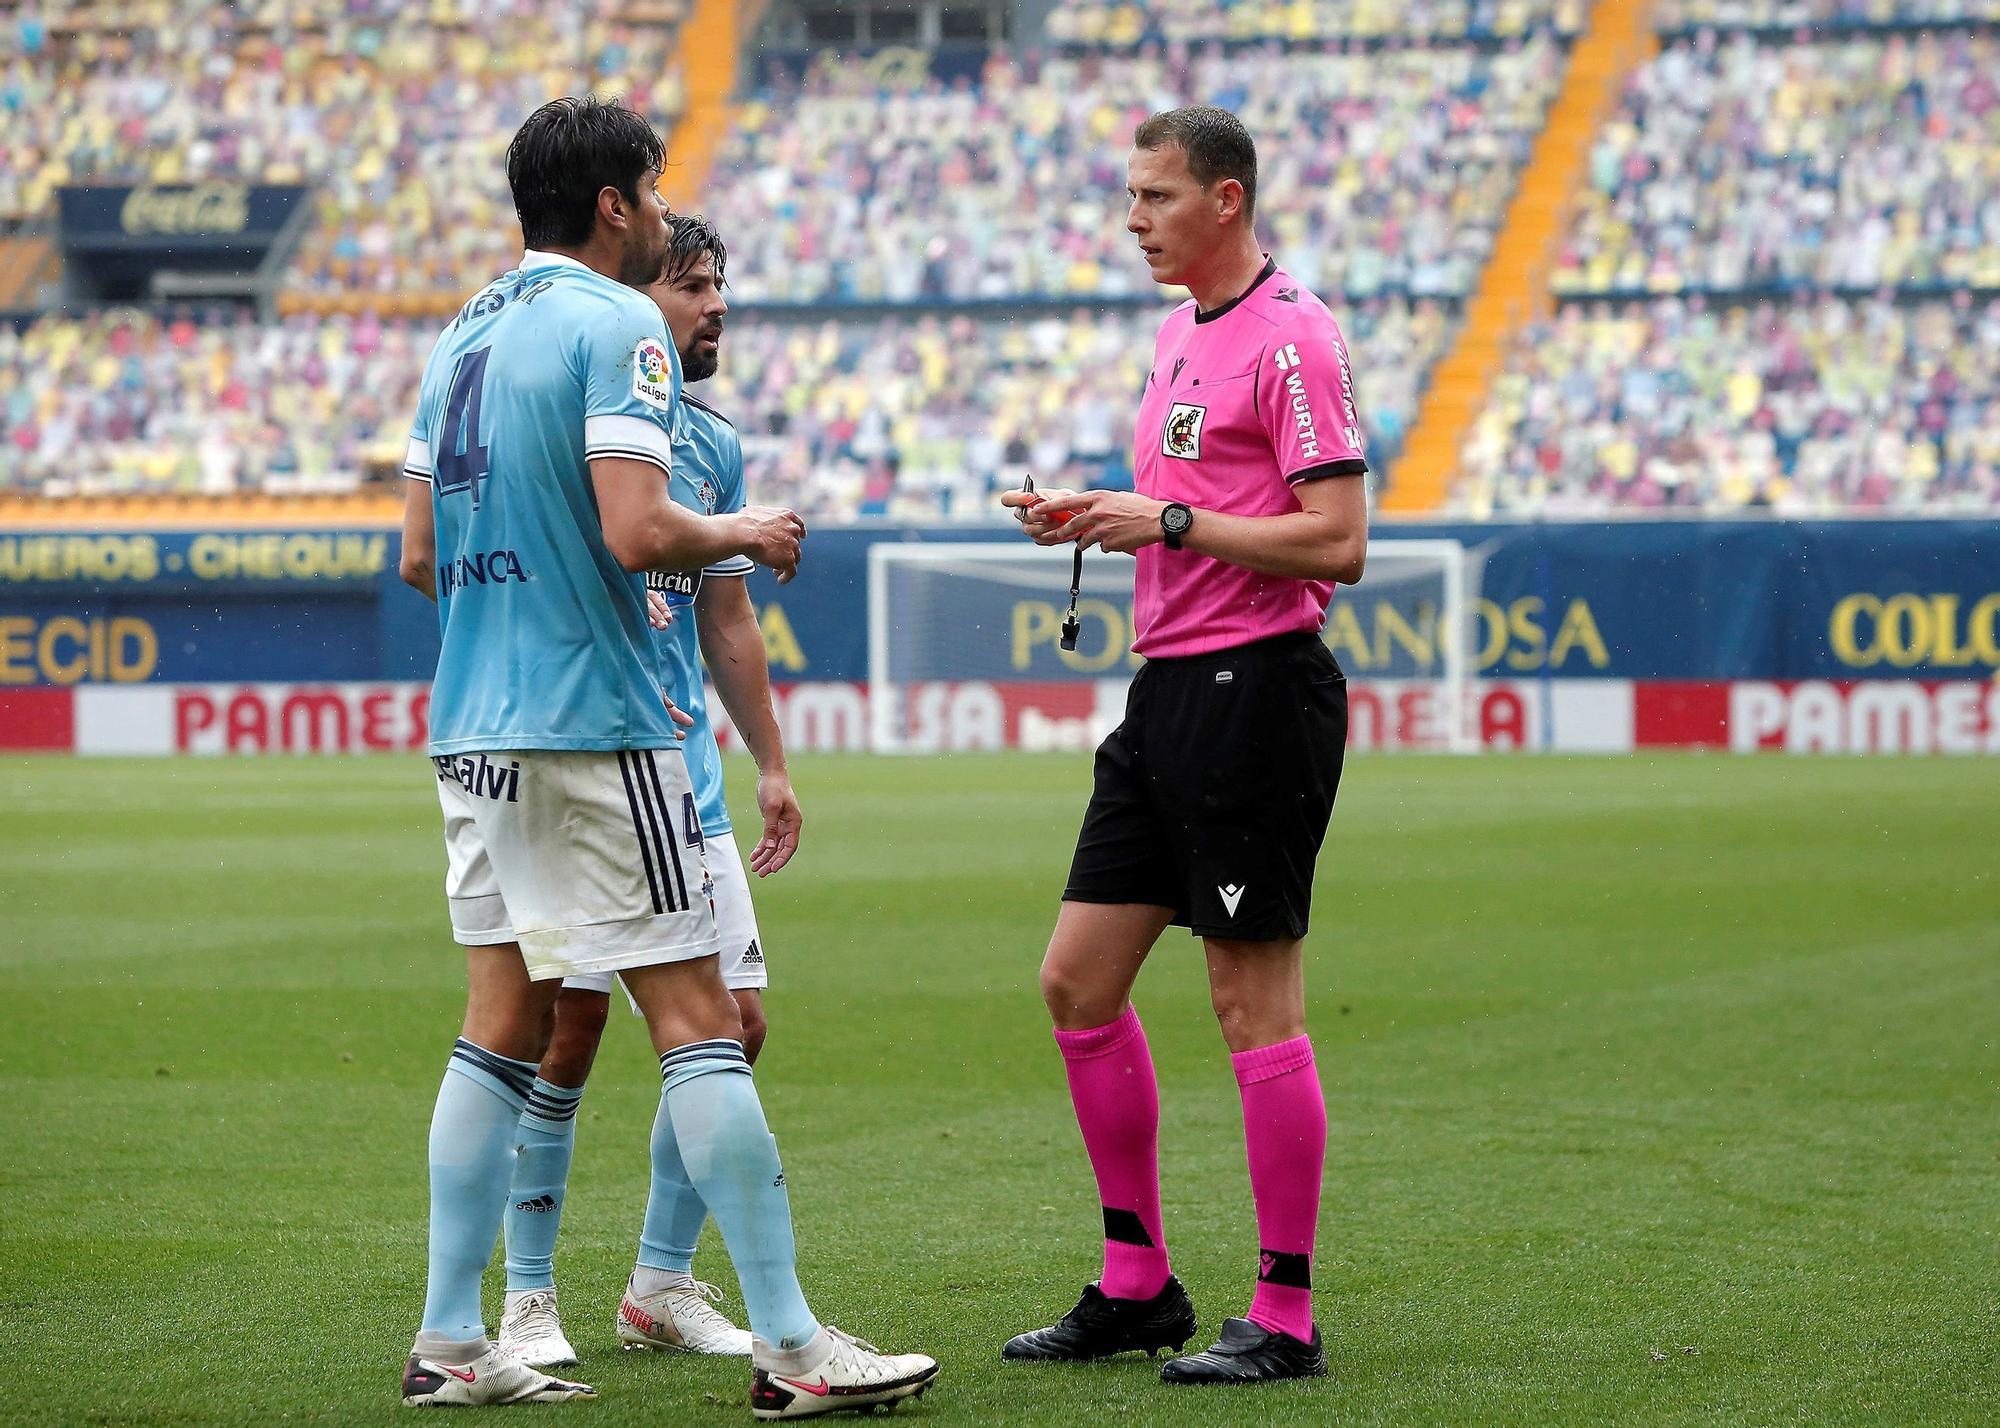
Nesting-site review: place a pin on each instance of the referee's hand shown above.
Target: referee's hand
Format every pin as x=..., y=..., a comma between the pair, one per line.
x=1118, y=521
x=1037, y=512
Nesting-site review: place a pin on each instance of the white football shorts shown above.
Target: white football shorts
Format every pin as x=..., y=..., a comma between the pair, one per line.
x=735, y=919
x=591, y=860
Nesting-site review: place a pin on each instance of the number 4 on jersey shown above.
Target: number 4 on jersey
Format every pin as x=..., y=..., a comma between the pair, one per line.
x=463, y=469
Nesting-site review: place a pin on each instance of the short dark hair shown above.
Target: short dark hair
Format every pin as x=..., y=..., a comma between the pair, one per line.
x=1215, y=142
x=689, y=236
x=568, y=152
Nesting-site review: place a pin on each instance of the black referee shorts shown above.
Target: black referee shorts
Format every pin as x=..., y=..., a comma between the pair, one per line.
x=1212, y=798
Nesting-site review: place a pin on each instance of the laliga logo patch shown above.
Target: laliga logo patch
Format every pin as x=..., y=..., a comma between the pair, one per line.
x=1183, y=434
x=653, y=374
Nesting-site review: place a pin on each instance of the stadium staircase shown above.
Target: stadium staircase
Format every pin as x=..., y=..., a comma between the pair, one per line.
x=28, y=263
x=1514, y=289
x=711, y=45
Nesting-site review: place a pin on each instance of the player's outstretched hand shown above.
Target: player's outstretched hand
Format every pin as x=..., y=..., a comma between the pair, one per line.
x=773, y=538
x=683, y=721
x=658, y=613
x=780, y=807
x=1042, y=513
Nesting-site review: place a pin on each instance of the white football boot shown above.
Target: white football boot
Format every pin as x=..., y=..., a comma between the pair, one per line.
x=834, y=1373
x=680, y=1317
x=531, y=1330
x=495, y=1377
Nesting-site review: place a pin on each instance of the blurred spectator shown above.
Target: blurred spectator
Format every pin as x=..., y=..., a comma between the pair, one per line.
x=399, y=115
x=1381, y=172
x=911, y=418
x=1672, y=15
x=924, y=419
x=1851, y=164
x=1802, y=408
x=1120, y=24
x=122, y=401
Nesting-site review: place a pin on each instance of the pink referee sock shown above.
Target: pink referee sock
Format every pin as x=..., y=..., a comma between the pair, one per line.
x=1284, y=1127
x=1118, y=1109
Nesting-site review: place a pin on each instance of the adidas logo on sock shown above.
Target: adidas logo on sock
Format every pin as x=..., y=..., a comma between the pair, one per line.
x=753, y=956
x=540, y=1205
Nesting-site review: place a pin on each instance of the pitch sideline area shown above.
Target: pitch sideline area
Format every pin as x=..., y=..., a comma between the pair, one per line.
x=1661, y=1090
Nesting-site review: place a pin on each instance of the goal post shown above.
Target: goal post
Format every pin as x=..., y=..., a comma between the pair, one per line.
x=983, y=618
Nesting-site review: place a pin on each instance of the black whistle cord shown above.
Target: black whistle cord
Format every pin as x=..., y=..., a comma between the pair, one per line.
x=1069, y=625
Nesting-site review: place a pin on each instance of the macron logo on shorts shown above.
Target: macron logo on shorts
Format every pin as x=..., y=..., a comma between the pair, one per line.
x=1232, y=896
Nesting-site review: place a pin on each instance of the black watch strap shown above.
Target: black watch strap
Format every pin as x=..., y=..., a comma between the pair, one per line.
x=1176, y=519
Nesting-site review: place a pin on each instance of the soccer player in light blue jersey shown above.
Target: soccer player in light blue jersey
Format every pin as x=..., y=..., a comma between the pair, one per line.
x=708, y=617
x=538, y=501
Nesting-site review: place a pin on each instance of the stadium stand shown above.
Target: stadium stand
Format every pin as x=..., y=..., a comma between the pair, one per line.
x=1781, y=289
x=923, y=419
x=1393, y=170
x=1829, y=190
x=383, y=107
x=128, y=402
x=1677, y=15
x=1121, y=25
x=1738, y=163
x=912, y=418
x=1392, y=202
x=1804, y=408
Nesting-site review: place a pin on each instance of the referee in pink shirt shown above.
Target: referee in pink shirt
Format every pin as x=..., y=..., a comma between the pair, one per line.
x=1212, y=798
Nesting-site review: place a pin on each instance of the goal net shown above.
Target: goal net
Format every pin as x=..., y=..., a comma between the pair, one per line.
x=965, y=645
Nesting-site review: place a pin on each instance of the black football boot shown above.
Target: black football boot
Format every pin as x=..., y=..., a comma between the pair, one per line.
x=1100, y=1326
x=1248, y=1354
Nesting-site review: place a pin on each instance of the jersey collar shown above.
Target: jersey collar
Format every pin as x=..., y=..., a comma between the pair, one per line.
x=536, y=258
x=1263, y=275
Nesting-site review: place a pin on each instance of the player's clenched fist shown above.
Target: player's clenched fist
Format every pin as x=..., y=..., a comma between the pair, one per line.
x=773, y=536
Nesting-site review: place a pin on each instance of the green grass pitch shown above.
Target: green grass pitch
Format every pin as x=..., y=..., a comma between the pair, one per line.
x=1661, y=1090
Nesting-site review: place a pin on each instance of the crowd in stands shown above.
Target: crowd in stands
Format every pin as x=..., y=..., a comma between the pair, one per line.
x=1674, y=15
x=397, y=114
x=1125, y=23
x=1380, y=172
x=928, y=418
x=915, y=418
x=1803, y=408
x=1851, y=163
x=121, y=401
x=1394, y=171
x=1828, y=168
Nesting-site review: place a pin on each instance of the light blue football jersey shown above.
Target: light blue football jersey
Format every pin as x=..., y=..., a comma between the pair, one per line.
x=546, y=644
x=708, y=479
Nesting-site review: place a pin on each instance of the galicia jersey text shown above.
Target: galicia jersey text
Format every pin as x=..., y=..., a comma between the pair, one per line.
x=1243, y=403
x=546, y=644
x=707, y=479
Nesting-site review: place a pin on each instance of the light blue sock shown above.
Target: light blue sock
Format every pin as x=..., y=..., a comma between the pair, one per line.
x=541, y=1175
x=709, y=1109
x=472, y=1159
x=674, y=1211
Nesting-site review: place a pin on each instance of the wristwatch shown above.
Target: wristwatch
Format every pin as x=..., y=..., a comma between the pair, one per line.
x=1175, y=521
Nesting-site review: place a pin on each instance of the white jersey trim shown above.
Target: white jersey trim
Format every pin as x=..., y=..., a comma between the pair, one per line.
x=417, y=460
x=735, y=565
x=618, y=435
x=537, y=258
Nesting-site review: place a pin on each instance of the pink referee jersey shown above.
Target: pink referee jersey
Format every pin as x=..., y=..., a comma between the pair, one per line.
x=1243, y=403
